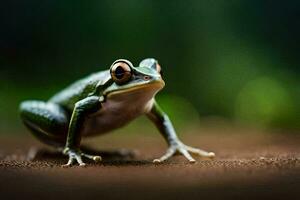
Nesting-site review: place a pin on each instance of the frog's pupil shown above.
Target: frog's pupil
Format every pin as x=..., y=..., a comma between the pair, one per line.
x=119, y=72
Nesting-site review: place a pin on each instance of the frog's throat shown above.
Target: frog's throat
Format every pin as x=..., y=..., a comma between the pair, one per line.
x=155, y=85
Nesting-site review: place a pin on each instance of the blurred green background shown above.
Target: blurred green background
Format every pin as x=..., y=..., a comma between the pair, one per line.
x=233, y=60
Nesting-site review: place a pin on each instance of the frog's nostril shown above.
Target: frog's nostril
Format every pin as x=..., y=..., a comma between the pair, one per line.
x=146, y=78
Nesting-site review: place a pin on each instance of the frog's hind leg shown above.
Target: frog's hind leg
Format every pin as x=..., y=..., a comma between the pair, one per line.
x=47, y=121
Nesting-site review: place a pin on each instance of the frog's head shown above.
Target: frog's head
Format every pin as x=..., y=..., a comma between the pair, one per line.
x=127, y=79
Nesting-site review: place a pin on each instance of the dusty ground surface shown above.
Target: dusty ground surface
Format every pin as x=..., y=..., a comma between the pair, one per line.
x=249, y=165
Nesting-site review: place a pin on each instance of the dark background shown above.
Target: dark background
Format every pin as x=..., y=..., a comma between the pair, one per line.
x=232, y=87
x=237, y=61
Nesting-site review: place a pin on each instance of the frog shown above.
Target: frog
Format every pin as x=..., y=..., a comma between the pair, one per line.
x=102, y=102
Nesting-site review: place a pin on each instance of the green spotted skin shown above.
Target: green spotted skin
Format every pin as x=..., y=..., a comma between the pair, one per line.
x=99, y=103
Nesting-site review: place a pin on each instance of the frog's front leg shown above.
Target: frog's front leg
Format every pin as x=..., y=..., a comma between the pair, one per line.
x=166, y=128
x=82, y=110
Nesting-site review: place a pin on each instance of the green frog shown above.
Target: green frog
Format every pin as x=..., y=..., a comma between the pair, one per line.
x=102, y=102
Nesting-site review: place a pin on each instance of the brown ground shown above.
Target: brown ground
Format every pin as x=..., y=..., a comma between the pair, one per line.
x=249, y=165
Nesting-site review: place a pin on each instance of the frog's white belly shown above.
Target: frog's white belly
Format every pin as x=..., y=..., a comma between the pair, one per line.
x=117, y=112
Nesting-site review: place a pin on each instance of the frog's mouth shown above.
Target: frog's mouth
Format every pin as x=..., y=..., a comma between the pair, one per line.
x=153, y=86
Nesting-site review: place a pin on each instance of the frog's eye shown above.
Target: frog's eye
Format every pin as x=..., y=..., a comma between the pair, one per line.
x=151, y=63
x=120, y=72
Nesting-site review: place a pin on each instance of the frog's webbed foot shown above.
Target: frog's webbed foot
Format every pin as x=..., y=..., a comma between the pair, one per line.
x=180, y=148
x=76, y=156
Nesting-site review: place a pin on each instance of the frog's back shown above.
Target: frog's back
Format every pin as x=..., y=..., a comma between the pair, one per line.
x=80, y=89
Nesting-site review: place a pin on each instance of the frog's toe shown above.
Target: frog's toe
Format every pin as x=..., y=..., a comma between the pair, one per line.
x=69, y=164
x=157, y=161
x=186, y=154
x=170, y=152
x=211, y=155
x=200, y=152
x=186, y=151
x=82, y=165
x=92, y=157
x=97, y=158
x=79, y=161
x=74, y=156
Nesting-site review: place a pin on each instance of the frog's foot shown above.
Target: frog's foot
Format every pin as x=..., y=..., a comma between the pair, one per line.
x=76, y=156
x=185, y=150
